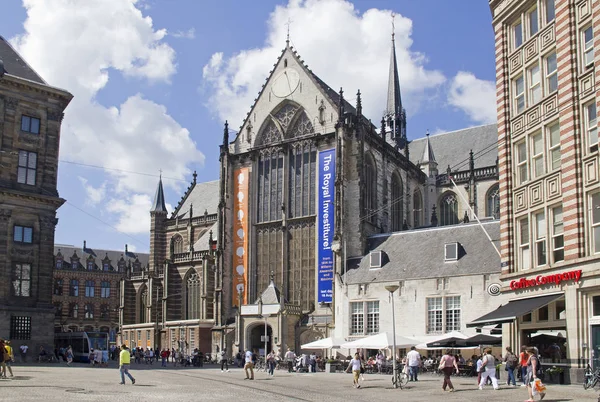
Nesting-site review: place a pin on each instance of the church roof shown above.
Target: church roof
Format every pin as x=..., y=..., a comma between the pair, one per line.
x=452, y=148
x=202, y=243
x=428, y=155
x=67, y=251
x=394, y=99
x=202, y=197
x=15, y=65
x=271, y=294
x=159, y=199
x=419, y=254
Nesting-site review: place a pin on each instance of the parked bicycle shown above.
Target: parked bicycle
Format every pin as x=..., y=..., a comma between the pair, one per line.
x=591, y=378
x=401, y=378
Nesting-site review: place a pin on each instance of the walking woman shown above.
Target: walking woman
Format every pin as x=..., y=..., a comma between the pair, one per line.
x=511, y=361
x=489, y=362
x=447, y=364
x=271, y=363
x=532, y=366
x=69, y=354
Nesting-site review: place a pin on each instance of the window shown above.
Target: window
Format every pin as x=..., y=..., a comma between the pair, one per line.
x=90, y=265
x=105, y=289
x=434, y=315
x=370, y=190
x=558, y=242
x=74, y=310
x=22, y=280
x=451, y=252
x=417, y=209
x=532, y=22
x=537, y=154
x=543, y=313
x=74, y=288
x=20, y=327
x=357, y=319
x=58, y=287
x=526, y=318
x=551, y=73
x=104, y=312
x=270, y=186
x=372, y=317
x=449, y=210
x=591, y=125
x=452, y=313
x=105, y=266
x=302, y=174
x=588, y=47
x=30, y=124
x=59, y=263
x=517, y=34
x=397, y=202
x=595, y=218
x=596, y=305
x=493, y=202
x=88, y=311
x=519, y=94
x=535, y=87
x=89, y=288
x=522, y=162
x=550, y=10
x=524, y=257
x=559, y=310
x=553, y=134
x=540, y=238
x=193, y=297
x=27, y=168
x=147, y=335
x=22, y=234
x=58, y=310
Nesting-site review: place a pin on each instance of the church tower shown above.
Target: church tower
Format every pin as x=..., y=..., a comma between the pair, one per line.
x=395, y=115
x=158, y=217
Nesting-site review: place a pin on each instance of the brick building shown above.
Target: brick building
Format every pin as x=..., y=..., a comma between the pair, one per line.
x=546, y=57
x=31, y=113
x=86, y=287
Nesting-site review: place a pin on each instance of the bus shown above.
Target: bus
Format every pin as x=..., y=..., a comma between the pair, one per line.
x=81, y=343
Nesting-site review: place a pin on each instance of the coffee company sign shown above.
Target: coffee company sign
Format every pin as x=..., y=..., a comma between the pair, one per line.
x=542, y=280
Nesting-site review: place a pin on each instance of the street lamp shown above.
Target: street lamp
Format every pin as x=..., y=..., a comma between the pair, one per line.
x=392, y=289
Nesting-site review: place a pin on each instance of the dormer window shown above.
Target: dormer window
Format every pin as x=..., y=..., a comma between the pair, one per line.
x=74, y=264
x=90, y=265
x=376, y=259
x=105, y=266
x=59, y=263
x=450, y=251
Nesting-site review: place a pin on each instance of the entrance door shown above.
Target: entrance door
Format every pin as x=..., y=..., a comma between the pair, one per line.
x=257, y=339
x=596, y=346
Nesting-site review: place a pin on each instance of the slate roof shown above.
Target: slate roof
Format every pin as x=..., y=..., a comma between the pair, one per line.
x=271, y=295
x=159, y=199
x=114, y=256
x=202, y=197
x=419, y=254
x=202, y=244
x=452, y=148
x=15, y=65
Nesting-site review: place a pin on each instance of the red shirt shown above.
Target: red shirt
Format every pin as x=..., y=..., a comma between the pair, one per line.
x=524, y=358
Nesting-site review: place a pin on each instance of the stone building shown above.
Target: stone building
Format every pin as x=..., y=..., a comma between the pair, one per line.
x=86, y=287
x=31, y=113
x=546, y=58
x=306, y=175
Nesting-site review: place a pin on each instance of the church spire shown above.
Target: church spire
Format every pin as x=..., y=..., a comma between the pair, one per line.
x=395, y=113
x=159, y=198
x=428, y=156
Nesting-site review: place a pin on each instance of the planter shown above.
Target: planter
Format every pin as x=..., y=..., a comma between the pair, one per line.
x=330, y=367
x=557, y=378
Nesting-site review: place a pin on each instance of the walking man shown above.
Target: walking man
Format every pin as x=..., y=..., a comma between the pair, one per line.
x=224, y=362
x=249, y=365
x=290, y=357
x=413, y=359
x=23, y=349
x=124, y=362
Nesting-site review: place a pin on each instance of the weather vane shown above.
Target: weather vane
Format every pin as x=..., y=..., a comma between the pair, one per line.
x=288, y=23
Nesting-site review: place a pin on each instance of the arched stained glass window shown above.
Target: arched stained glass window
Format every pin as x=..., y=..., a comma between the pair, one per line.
x=417, y=209
x=370, y=189
x=449, y=210
x=397, y=202
x=493, y=202
x=192, y=310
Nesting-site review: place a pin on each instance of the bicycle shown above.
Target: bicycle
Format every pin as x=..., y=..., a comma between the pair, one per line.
x=401, y=378
x=591, y=377
x=260, y=365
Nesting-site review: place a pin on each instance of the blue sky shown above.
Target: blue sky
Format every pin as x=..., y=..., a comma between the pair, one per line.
x=153, y=81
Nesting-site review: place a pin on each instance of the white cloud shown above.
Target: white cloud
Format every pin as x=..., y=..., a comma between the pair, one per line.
x=475, y=97
x=76, y=46
x=133, y=213
x=189, y=34
x=93, y=195
x=342, y=46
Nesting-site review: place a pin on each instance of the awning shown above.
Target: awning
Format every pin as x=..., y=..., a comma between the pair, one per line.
x=514, y=309
x=380, y=341
x=326, y=343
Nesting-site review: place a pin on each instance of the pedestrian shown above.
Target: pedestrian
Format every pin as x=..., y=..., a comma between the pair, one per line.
x=523, y=358
x=413, y=358
x=124, y=362
x=488, y=364
x=69, y=354
x=355, y=365
x=290, y=357
x=224, y=362
x=313, y=362
x=533, y=364
x=249, y=365
x=380, y=361
x=271, y=363
x=11, y=358
x=511, y=362
x=447, y=364
x=24, y=349
x=3, y=358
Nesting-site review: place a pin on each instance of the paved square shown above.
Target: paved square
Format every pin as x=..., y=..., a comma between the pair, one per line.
x=83, y=383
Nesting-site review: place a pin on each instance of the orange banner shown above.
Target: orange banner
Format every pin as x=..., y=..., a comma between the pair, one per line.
x=240, y=235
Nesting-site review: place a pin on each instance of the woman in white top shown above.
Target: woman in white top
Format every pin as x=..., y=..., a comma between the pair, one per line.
x=355, y=366
x=489, y=362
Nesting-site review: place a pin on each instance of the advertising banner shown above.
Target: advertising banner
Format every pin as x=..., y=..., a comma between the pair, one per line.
x=240, y=235
x=325, y=225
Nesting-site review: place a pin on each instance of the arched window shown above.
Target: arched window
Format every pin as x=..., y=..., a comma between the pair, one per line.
x=370, y=189
x=89, y=288
x=192, y=310
x=417, y=209
x=177, y=244
x=270, y=185
x=448, y=210
x=58, y=309
x=88, y=311
x=493, y=202
x=74, y=310
x=302, y=126
x=397, y=202
x=269, y=134
x=303, y=165
x=144, y=305
x=104, y=312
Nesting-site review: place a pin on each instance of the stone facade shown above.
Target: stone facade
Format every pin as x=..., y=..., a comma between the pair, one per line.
x=30, y=118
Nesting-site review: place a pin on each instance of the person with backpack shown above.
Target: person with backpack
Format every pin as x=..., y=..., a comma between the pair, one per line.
x=511, y=364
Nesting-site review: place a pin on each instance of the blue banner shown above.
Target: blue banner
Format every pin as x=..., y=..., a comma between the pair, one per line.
x=325, y=225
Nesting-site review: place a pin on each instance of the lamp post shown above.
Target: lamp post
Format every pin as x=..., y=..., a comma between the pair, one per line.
x=266, y=336
x=392, y=289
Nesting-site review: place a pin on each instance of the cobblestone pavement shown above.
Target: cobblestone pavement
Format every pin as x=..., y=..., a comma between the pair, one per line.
x=83, y=383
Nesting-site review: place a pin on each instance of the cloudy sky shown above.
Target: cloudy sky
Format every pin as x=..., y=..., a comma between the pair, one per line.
x=154, y=81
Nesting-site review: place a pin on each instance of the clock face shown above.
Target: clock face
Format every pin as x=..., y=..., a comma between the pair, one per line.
x=285, y=83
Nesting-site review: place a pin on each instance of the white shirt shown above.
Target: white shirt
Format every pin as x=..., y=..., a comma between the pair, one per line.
x=355, y=364
x=248, y=357
x=413, y=358
x=24, y=348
